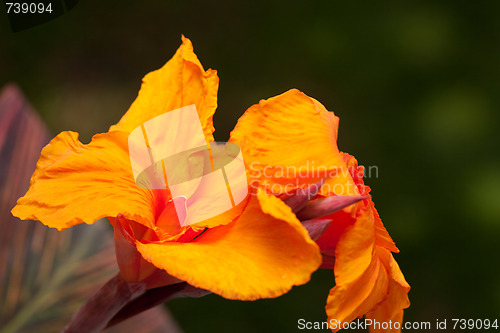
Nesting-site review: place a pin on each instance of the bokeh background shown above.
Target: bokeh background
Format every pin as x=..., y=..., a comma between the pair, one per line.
x=415, y=84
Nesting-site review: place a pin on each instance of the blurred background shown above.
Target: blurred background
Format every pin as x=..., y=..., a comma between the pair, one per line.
x=415, y=84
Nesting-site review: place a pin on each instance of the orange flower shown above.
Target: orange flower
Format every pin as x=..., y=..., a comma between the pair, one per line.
x=290, y=133
x=257, y=249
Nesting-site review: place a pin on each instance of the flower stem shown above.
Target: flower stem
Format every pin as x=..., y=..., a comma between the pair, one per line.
x=95, y=314
x=154, y=297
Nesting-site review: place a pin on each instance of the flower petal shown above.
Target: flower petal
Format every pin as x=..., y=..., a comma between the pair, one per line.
x=368, y=279
x=182, y=81
x=127, y=256
x=290, y=141
x=382, y=237
x=357, y=172
x=353, y=253
x=316, y=227
x=361, y=279
x=348, y=301
x=391, y=309
x=75, y=183
x=262, y=254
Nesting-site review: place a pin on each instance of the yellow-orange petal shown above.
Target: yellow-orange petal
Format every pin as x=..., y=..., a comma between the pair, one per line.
x=382, y=237
x=357, y=171
x=290, y=139
x=348, y=301
x=353, y=253
x=182, y=81
x=368, y=279
x=391, y=309
x=260, y=255
x=75, y=183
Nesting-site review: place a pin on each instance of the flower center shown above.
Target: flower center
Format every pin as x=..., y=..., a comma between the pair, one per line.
x=173, y=215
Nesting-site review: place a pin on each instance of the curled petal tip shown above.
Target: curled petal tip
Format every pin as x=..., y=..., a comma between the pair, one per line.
x=123, y=231
x=302, y=197
x=326, y=206
x=316, y=227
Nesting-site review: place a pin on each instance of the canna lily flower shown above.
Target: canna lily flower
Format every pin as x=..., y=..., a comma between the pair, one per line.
x=290, y=144
x=256, y=250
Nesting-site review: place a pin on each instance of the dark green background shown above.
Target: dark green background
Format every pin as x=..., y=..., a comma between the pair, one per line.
x=415, y=84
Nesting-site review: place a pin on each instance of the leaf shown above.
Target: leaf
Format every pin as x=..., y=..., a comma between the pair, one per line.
x=45, y=274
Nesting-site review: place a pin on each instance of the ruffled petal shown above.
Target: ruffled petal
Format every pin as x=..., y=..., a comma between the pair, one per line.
x=382, y=237
x=348, y=301
x=391, y=309
x=353, y=253
x=262, y=254
x=368, y=279
x=75, y=183
x=361, y=280
x=290, y=141
x=182, y=81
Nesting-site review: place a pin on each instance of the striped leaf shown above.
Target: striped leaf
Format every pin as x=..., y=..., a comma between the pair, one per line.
x=46, y=275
